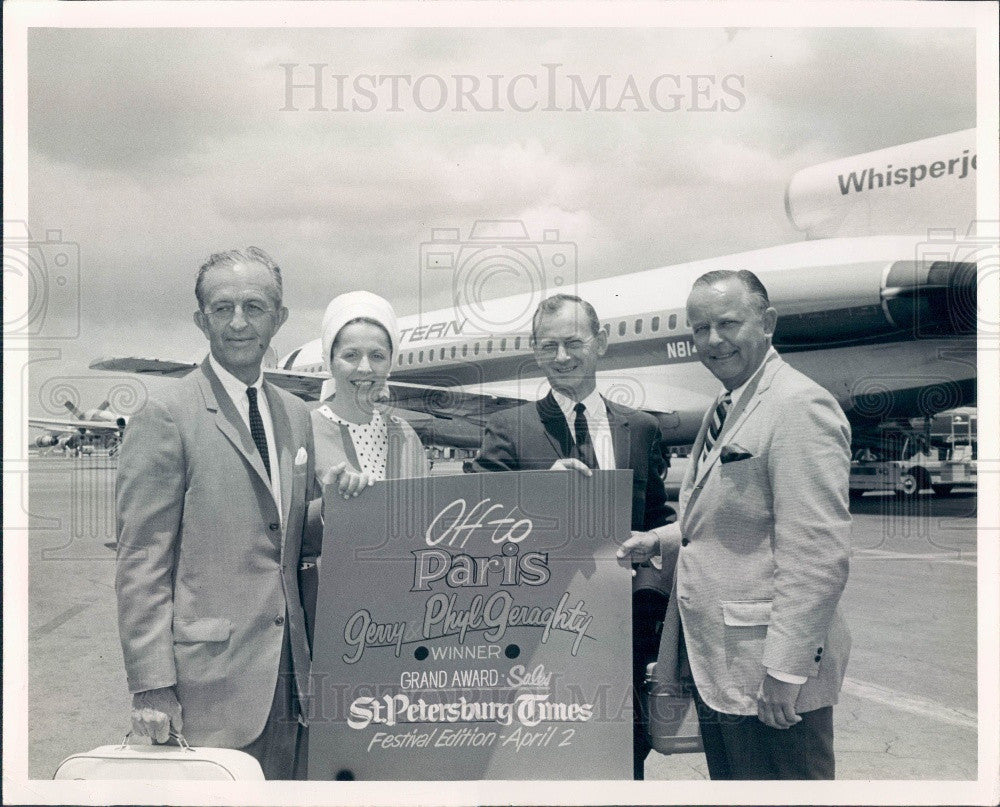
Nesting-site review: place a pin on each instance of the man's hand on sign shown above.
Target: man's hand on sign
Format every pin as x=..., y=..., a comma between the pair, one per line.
x=571, y=464
x=642, y=547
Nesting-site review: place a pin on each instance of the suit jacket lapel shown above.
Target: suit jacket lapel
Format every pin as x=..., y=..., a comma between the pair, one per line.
x=554, y=424
x=621, y=434
x=283, y=438
x=752, y=397
x=230, y=423
x=737, y=415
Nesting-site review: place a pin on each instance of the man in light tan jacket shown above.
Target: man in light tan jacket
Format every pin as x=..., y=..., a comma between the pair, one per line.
x=764, y=539
x=212, y=487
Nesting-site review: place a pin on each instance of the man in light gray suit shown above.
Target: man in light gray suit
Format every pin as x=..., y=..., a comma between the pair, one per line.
x=212, y=489
x=764, y=538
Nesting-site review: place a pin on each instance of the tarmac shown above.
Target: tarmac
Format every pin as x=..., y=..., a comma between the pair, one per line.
x=907, y=711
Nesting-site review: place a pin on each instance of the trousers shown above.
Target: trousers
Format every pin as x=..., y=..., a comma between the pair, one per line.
x=281, y=747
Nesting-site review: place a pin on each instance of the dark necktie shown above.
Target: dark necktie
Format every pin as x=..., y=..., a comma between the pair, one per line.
x=715, y=427
x=257, y=430
x=584, y=447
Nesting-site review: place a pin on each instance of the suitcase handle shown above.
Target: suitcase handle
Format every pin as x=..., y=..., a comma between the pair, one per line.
x=174, y=735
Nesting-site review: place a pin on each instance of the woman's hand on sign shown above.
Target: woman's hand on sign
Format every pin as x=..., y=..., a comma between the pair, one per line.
x=349, y=482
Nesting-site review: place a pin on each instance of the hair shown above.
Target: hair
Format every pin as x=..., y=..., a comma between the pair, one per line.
x=555, y=303
x=232, y=257
x=750, y=282
x=362, y=321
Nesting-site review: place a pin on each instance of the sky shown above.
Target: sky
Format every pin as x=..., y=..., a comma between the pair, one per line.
x=152, y=148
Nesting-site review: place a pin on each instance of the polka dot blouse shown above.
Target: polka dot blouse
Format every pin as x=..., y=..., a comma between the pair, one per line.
x=371, y=443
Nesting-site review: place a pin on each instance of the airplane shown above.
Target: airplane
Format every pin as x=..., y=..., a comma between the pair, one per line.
x=83, y=431
x=885, y=322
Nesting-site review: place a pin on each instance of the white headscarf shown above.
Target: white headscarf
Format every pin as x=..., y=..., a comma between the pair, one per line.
x=350, y=306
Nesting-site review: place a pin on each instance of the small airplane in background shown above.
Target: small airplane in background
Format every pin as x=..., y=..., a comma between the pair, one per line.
x=81, y=434
x=886, y=322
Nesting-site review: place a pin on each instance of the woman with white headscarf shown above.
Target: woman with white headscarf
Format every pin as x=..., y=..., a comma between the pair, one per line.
x=357, y=441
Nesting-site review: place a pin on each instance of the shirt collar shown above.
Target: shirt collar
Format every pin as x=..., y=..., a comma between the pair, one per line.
x=594, y=404
x=736, y=393
x=237, y=389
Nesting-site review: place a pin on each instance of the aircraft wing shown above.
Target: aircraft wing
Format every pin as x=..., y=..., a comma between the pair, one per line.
x=304, y=385
x=452, y=403
x=439, y=402
x=140, y=366
x=65, y=424
x=446, y=416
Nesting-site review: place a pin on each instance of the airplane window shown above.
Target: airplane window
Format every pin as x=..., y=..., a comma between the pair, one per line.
x=621, y=328
x=475, y=349
x=638, y=326
x=465, y=350
x=672, y=323
x=409, y=359
x=517, y=343
x=655, y=324
x=489, y=346
x=453, y=351
x=400, y=359
x=503, y=344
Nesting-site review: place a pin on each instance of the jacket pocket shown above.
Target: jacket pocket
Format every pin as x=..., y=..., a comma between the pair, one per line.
x=747, y=465
x=746, y=613
x=208, y=629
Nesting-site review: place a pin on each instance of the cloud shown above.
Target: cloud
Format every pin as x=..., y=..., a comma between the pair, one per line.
x=154, y=147
x=135, y=99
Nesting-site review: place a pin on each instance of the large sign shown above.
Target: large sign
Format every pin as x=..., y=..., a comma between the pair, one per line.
x=475, y=627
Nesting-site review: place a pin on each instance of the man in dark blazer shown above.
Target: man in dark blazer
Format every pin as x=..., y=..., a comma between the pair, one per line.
x=212, y=487
x=575, y=428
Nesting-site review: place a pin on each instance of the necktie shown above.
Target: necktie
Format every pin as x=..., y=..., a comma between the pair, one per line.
x=715, y=427
x=257, y=430
x=584, y=447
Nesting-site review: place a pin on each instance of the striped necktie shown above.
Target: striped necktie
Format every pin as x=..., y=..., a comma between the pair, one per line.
x=257, y=430
x=715, y=427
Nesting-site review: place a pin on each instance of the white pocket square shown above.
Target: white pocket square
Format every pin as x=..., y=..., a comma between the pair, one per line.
x=302, y=456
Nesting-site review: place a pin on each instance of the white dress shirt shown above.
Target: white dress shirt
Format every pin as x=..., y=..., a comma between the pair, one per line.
x=596, y=413
x=237, y=392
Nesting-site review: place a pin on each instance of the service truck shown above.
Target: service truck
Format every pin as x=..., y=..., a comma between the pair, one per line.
x=937, y=453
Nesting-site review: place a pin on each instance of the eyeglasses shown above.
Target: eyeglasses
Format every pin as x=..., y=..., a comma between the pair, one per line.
x=549, y=348
x=252, y=310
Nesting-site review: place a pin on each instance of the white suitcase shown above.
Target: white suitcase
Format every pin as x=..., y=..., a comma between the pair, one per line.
x=147, y=762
